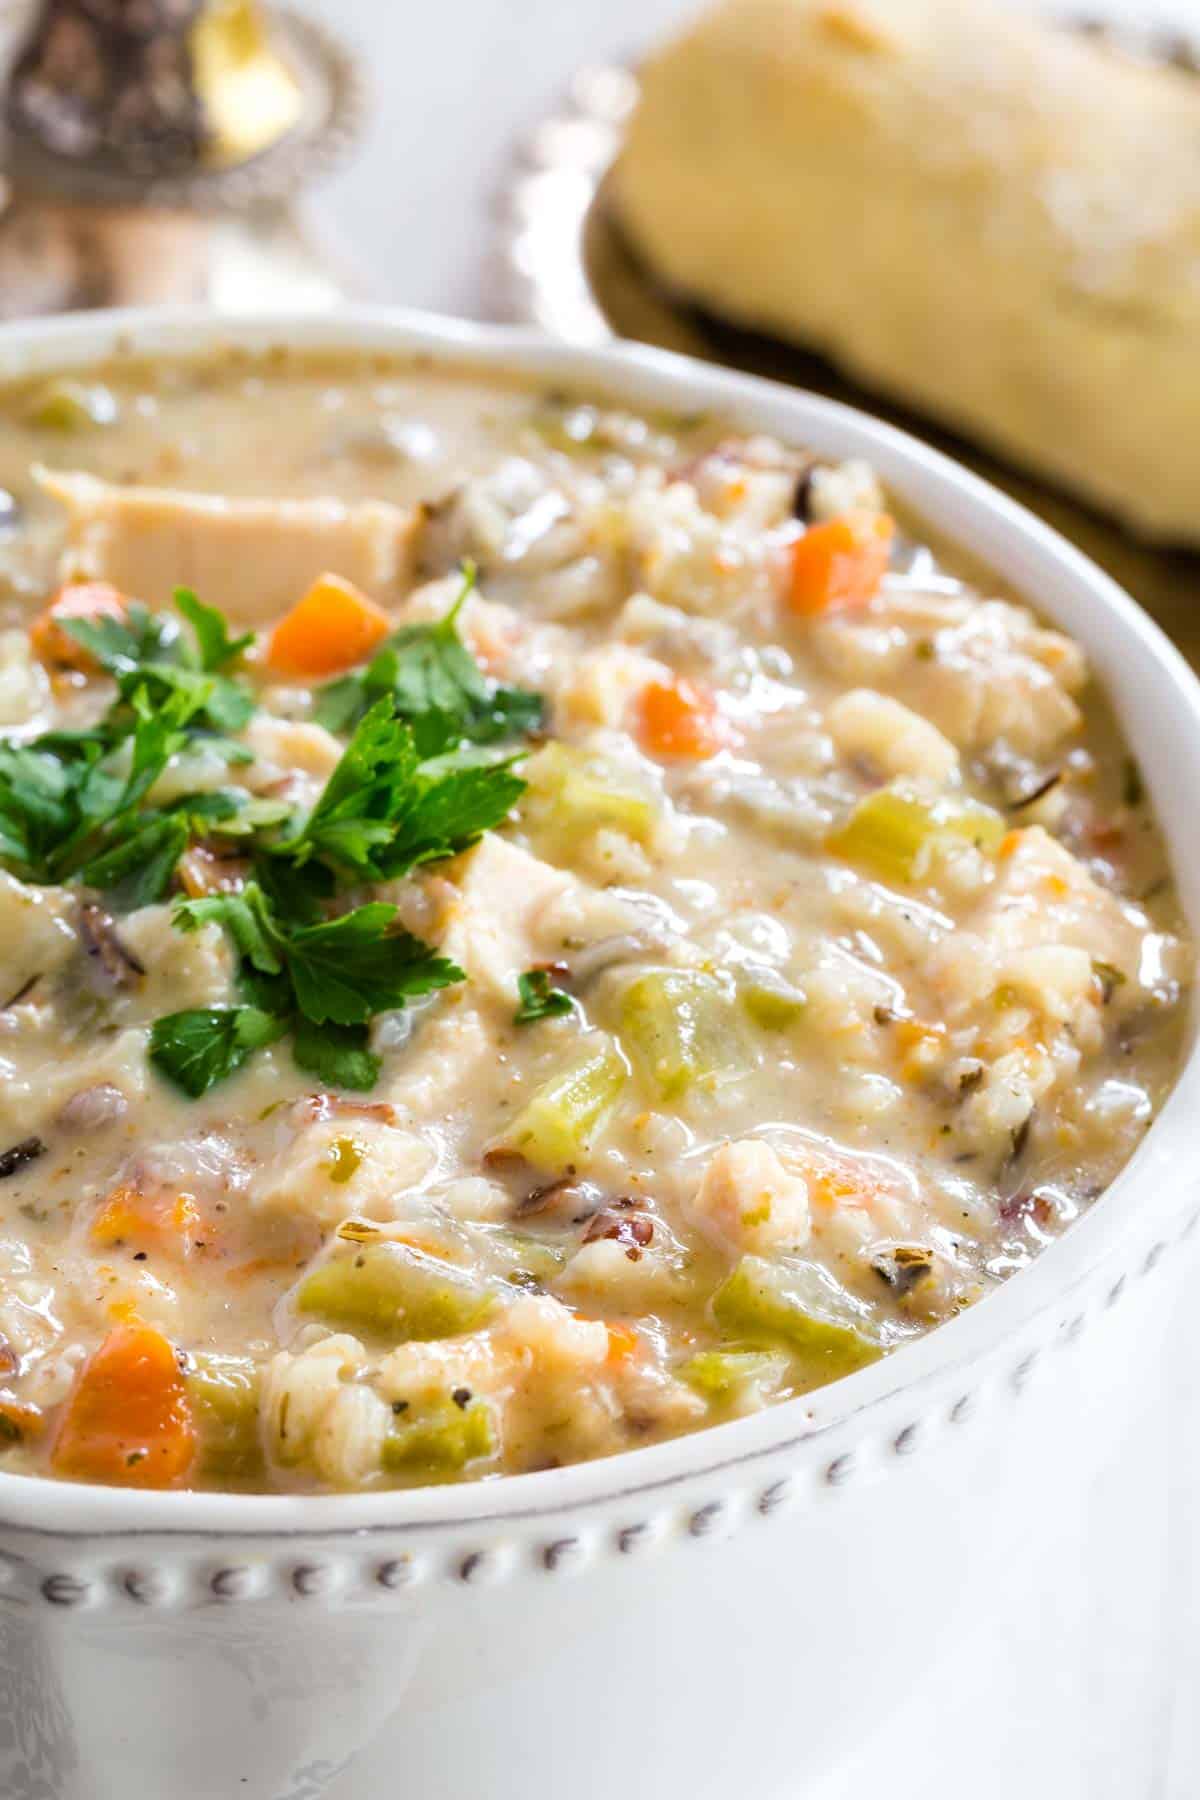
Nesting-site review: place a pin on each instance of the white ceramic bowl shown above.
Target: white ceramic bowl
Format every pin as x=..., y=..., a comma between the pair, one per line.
x=868, y=1587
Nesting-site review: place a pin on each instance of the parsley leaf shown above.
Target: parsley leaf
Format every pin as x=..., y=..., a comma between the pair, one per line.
x=383, y=811
x=217, y=649
x=137, y=870
x=322, y=982
x=148, y=651
x=356, y=965
x=336, y=1054
x=200, y=1047
x=72, y=803
x=248, y=920
x=436, y=686
x=121, y=644
x=540, y=999
x=37, y=805
x=454, y=800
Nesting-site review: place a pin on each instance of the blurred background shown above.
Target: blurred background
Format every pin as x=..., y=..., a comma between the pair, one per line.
x=457, y=88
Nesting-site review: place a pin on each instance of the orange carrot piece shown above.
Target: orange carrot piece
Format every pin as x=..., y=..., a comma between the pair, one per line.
x=331, y=629
x=680, y=718
x=839, y=565
x=624, y=1342
x=127, y=1215
x=127, y=1420
x=77, y=600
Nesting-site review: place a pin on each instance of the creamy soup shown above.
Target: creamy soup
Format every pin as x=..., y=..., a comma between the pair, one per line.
x=525, y=929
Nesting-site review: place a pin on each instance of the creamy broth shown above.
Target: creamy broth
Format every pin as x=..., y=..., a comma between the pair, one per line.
x=770, y=946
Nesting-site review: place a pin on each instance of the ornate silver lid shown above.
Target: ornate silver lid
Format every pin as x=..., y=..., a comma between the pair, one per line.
x=177, y=103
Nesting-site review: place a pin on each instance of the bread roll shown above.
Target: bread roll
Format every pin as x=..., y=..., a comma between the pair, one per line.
x=984, y=215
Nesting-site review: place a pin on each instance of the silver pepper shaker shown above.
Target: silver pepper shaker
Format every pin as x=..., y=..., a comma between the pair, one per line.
x=157, y=152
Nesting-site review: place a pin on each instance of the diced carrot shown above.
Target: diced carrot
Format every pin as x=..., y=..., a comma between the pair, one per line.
x=624, y=1342
x=331, y=629
x=77, y=600
x=127, y=1420
x=839, y=564
x=680, y=718
x=169, y=1220
x=241, y=1273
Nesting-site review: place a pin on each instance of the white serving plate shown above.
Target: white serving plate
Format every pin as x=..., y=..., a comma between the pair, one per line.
x=820, y=1600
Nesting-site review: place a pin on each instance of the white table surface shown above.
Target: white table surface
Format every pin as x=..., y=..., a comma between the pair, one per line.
x=455, y=85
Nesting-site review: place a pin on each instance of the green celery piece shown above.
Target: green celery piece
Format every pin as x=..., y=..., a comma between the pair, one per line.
x=769, y=999
x=718, y=1374
x=440, y=1440
x=555, y=1127
x=530, y=1255
x=895, y=835
x=573, y=794
x=396, y=1292
x=682, y=1029
x=798, y=1304
x=223, y=1392
x=65, y=405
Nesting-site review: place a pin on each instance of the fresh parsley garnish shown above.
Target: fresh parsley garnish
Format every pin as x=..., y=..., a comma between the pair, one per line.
x=72, y=803
x=540, y=999
x=436, y=686
x=421, y=778
x=385, y=809
x=198, y=1048
x=217, y=650
x=149, y=652
x=322, y=983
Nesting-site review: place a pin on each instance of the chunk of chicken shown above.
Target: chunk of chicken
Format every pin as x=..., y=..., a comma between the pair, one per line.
x=1039, y=927
x=492, y=923
x=748, y=1200
x=253, y=558
x=439, y=1076
x=342, y=1166
x=37, y=933
x=981, y=671
x=507, y=911
x=896, y=740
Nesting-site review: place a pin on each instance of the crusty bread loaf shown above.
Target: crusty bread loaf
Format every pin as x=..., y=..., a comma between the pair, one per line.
x=982, y=214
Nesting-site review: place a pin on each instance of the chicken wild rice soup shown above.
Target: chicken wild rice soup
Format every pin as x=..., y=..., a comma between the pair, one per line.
x=525, y=930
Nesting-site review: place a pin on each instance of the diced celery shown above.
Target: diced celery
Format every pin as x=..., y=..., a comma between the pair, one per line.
x=441, y=1439
x=718, y=1374
x=682, y=1029
x=896, y=835
x=345, y=1158
x=572, y=794
x=65, y=405
x=394, y=1291
x=801, y=1305
x=223, y=1392
x=571, y=429
x=557, y=1124
x=529, y=1255
x=769, y=999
